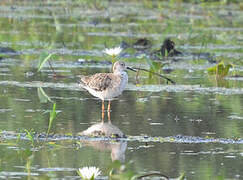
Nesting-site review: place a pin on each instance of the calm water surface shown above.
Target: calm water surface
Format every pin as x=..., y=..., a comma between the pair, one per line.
x=198, y=106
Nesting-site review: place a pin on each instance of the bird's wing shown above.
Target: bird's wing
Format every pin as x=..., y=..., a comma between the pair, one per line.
x=98, y=82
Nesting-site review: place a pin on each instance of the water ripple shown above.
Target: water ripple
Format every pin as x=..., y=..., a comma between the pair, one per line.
x=131, y=87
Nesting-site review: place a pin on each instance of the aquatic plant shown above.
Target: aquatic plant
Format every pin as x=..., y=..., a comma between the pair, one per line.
x=182, y=177
x=29, y=161
x=29, y=135
x=220, y=69
x=43, y=97
x=113, y=52
x=155, y=68
x=43, y=58
x=89, y=173
x=18, y=138
x=53, y=115
x=157, y=74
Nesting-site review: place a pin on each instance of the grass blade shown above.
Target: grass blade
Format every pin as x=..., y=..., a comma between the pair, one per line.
x=53, y=115
x=43, y=97
x=43, y=58
x=29, y=135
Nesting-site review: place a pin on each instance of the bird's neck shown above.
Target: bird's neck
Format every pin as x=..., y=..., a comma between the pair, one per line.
x=119, y=73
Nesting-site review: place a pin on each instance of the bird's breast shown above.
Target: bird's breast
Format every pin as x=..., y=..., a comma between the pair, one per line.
x=124, y=80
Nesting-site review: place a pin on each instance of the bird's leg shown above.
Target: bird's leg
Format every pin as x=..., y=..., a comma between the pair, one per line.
x=102, y=116
x=103, y=106
x=109, y=111
x=109, y=116
x=103, y=110
x=109, y=106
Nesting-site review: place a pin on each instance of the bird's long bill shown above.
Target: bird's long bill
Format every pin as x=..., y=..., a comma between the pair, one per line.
x=131, y=69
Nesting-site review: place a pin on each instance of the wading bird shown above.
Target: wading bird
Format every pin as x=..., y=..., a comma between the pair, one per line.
x=107, y=86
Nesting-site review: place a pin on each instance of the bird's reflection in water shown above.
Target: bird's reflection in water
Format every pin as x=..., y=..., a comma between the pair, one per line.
x=117, y=148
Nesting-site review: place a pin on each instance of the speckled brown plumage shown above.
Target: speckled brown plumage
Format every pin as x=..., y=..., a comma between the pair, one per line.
x=99, y=81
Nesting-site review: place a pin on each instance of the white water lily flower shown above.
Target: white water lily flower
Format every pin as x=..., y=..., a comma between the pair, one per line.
x=89, y=173
x=113, y=51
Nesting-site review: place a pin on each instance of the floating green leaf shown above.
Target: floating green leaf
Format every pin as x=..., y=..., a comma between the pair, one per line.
x=220, y=69
x=43, y=58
